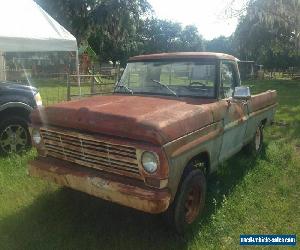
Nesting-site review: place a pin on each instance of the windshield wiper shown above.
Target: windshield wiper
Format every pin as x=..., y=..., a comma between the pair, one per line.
x=125, y=87
x=165, y=86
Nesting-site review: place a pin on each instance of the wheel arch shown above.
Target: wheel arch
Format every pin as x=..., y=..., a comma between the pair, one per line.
x=15, y=108
x=199, y=161
x=16, y=105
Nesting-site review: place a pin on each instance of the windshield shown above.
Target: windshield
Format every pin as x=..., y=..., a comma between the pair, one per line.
x=196, y=79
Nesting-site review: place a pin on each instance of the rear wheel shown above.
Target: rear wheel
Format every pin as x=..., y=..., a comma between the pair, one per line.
x=189, y=201
x=256, y=145
x=14, y=135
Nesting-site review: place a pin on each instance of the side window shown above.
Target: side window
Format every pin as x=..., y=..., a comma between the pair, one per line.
x=227, y=80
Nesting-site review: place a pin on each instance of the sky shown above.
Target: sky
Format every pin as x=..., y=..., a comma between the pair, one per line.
x=207, y=15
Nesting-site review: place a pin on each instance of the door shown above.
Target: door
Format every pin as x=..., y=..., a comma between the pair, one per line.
x=235, y=117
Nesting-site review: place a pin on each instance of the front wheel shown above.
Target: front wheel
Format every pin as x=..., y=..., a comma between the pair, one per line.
x=14, y=135
x=189, y=202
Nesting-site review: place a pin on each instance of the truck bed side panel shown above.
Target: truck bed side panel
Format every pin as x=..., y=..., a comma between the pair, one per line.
x=262, y=109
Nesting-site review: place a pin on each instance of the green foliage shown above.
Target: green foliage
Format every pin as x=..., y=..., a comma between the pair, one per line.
x=190, y=40
x=269, y=33
x=148, y=36
x=156, y=35
x=159, y=35
x=221, y=44
x=108, y=50
x=116, y=23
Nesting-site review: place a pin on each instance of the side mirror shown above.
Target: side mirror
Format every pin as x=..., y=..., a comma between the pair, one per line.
x=242, y=92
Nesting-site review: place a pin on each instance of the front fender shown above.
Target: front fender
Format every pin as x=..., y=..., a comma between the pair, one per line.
x=181, y=151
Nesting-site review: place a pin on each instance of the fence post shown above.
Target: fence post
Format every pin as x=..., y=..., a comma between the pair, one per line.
x=68, y=88
x=93, y=81
x=117, y=72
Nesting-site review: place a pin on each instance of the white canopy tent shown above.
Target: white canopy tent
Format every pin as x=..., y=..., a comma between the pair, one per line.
x=26, y=27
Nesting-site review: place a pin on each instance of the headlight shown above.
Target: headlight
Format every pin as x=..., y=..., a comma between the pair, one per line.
x=38, y=99
x=149, y=162
x=36, y=136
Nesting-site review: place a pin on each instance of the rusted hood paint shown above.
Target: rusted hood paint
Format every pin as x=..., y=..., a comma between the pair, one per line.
x=157, y=120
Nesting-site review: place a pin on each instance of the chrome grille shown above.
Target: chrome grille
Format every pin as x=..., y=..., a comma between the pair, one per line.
x=87, y=151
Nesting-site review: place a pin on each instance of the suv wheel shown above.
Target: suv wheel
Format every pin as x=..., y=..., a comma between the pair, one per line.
x=14, y=135
x=189, y=201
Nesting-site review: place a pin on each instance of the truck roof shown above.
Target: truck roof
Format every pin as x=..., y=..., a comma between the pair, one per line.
x=183, y=55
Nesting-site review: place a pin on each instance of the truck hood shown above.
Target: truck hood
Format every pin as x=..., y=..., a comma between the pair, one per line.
x=157, y=120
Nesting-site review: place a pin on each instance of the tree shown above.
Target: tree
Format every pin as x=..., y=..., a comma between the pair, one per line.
x=221, y=44
x=280, y=17
x=158, y=35
x=269, y=33
x=116, y=23
x=190, y=39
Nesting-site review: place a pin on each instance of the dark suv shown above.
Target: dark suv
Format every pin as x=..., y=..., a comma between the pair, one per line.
x=16, y=103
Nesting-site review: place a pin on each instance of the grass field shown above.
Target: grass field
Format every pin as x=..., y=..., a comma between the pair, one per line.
x=245, y=196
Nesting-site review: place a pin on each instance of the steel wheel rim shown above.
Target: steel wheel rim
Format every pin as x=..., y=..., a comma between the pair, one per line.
x=257, y=139
x=192, y=203
x=13, y=139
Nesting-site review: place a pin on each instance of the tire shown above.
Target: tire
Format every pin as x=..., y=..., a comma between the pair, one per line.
x=189, y=202
x=255, y=147
x=14, y=135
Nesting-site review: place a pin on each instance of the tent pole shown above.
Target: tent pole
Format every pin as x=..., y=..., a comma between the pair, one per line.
x=77, y=71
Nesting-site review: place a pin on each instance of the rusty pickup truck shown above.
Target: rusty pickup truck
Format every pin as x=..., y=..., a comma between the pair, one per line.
x=172, y=119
